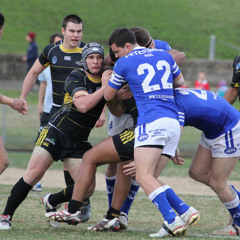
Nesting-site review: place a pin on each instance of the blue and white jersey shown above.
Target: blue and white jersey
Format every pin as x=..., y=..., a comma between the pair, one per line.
x=159, y=44
x=150, y=74
x=205, y=111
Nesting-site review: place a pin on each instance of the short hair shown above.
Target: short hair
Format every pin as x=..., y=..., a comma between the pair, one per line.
x=142, y=35
x=120, y=36
x=52, y=37
x=2, y=20
x=71, y=18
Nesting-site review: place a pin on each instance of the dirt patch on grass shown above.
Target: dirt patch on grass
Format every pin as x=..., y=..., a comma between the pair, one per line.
x=55, y=178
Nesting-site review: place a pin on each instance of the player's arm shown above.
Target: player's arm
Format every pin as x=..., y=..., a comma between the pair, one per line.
x=179, y=57
x=231, y=95
x=41, y=94
x=85, y=101
x=30, y=80
x=178, y=81
x=14, y=103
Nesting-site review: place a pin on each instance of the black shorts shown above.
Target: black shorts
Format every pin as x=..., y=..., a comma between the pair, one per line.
x=124, y=144
x=60, y=145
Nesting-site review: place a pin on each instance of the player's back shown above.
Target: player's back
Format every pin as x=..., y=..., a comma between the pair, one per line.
x=206, y=111
x=150, y=74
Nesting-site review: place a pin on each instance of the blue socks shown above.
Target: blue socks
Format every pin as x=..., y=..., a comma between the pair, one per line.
x=159, y=199
x=175, y=202
x=110, y=182
x=130, y=198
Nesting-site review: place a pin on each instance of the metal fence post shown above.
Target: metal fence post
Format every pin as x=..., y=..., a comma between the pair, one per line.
x=212, y=47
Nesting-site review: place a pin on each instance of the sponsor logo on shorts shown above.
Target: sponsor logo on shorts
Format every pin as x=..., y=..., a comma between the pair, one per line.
x=142, y=137
x=54, y=60
x=45, y=144
x=230, y=150
x=158, y=132
x=52, y=141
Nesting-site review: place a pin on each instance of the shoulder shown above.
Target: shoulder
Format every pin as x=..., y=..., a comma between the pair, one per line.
x=159, y=44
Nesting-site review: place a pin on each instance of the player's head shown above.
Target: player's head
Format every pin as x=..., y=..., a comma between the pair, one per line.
x=93, y=57
x=71, y=18
x=72, y=29
x=143, y=37
x=122, y=41
x=55, y=38
x=2, y=20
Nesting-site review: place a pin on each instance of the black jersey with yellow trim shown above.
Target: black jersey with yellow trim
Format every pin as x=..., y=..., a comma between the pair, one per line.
x=62, y=62
x=68, y=119
x=236, y=72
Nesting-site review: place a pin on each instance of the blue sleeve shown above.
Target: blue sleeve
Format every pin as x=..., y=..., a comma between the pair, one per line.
x=162, y=45
x=117, y=79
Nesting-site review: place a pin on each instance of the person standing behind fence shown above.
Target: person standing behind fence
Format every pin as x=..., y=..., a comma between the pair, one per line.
x=32, y=51
x=201, y=82
x=15, y=104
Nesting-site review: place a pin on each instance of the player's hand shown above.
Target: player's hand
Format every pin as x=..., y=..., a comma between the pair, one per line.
x=19, y=105
x=124, y=93
x=177, y=160
x=130, y=169
x=100, y=122
x=105, y=77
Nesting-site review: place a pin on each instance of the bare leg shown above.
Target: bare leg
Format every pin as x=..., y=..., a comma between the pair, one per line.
x=4, y=161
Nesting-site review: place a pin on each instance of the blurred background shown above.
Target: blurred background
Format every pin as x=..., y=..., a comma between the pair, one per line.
x=206, y=31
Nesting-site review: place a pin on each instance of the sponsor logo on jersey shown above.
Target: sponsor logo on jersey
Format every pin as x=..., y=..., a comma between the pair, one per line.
x=237, y=66
x=230, y=150
x=54, y=60
x=142, y=137
x=67, y=58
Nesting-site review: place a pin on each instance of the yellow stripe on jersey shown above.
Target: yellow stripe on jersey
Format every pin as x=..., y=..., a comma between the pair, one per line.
x=67, y=98
x=74, y=50
x=41, y=137
x=127, y=136
x=78, y=124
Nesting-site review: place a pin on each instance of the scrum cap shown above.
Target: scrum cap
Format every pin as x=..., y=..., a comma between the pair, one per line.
x=91, y=48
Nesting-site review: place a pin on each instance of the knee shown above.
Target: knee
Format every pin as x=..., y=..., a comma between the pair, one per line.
x=192, y=174
x=5, y=164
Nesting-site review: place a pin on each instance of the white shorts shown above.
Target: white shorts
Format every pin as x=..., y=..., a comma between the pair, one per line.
x=117, y=124
x=226, y=145
x=163, y=131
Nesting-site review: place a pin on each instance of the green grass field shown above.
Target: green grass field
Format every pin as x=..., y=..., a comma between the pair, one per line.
x=29, y=222
x=186, y=24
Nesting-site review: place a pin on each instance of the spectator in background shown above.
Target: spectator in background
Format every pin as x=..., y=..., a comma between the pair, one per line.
x=222, y=88
x=202, y=82
x=32, y=52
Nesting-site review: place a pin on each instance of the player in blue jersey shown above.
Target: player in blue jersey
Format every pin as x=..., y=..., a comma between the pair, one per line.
x=218, y=151
x=151, y=75
x=118, y=124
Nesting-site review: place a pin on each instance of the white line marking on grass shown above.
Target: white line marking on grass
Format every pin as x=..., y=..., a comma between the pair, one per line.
x=189, y=235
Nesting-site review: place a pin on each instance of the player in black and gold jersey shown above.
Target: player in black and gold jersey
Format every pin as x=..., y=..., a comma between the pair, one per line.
x=62, y=59
x=66, y=137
